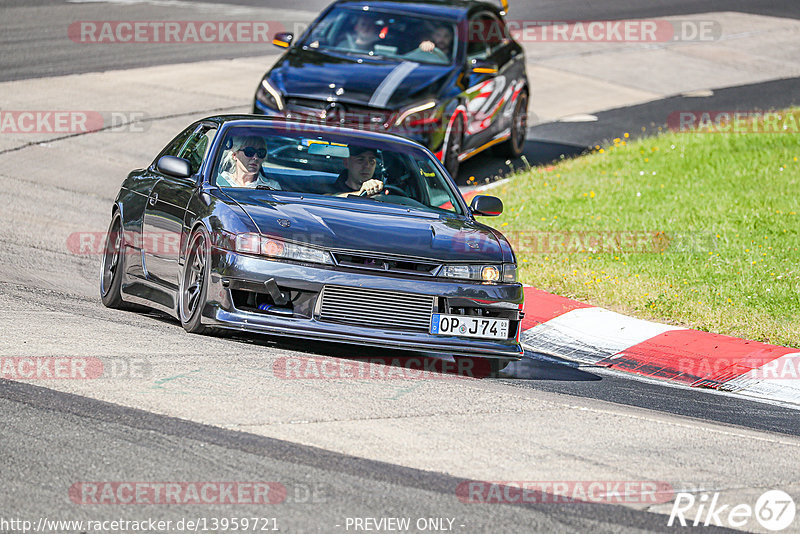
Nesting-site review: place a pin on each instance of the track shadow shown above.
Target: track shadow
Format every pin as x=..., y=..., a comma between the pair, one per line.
x=535, y=366
x=532, y=366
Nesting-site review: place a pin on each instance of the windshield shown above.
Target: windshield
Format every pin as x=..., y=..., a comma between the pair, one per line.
x=386, y=35
x=298, y=160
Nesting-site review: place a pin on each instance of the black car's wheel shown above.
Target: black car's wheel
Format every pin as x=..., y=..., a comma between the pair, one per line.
x=194, y=283
x=519, y=129
x=112, y=265
x=455, y=145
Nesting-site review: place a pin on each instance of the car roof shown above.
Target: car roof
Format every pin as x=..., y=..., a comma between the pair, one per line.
x=261, y=120
x=452, y=9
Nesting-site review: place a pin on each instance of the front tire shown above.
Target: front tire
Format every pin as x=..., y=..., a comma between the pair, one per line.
x=112, y=266
x=194, y=283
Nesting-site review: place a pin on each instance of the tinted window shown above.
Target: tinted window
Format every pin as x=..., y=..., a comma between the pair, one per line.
x=195, y=148
x=485, y=33
x=384, y=34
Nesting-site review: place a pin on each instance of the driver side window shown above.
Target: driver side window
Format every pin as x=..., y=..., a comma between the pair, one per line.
x=195, y=149
x=486, y=33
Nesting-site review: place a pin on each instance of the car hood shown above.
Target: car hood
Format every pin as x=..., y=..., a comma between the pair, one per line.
x=341, y=224
x=310, y=74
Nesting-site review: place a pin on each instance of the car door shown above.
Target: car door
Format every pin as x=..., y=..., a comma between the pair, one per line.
x=166, y=211
x=489, y=52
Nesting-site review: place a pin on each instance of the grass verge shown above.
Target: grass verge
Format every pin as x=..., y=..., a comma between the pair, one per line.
x=693, y=229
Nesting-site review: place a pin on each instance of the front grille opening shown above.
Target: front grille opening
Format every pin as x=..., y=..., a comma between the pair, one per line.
x=478, y=312
x=386, y=264
x=300, y=303
x=373, y=308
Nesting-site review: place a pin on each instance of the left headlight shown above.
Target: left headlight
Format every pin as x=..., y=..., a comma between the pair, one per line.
x=279, y=249
x=268, y=95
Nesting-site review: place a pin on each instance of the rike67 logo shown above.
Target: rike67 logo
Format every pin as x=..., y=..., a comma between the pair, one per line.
x=774, y=510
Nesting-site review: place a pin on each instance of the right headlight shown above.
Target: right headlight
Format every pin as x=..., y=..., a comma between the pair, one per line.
x=279, y=249
x=268, y=95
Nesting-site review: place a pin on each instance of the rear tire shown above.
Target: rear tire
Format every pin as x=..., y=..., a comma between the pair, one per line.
x=515, y=145
x=112, y=266
x=194, y=283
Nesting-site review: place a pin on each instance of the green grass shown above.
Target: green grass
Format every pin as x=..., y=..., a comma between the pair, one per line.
x=725, y=205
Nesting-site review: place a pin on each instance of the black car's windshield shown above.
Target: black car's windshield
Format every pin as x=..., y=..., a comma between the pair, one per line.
x=384, y=34
x=300, y=159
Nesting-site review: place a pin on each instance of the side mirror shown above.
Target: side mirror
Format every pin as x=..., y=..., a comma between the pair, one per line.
x=283, y=39
x=481, y=66
x=486, y=206
x=177, y=167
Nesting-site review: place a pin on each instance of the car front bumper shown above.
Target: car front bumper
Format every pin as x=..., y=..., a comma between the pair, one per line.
x=233, y=273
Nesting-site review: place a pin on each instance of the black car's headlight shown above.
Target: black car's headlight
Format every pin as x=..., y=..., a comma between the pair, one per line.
x=279, y=249
x=481, y=273
x=268, y=95
x=419, y=115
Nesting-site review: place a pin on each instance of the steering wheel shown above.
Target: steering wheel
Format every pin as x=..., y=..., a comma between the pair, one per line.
x=394, y=188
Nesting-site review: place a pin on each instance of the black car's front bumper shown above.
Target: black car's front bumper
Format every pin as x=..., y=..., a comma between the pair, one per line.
x=236, y=279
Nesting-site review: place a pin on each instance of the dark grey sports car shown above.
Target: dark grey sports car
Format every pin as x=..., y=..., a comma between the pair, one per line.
x=267, y=226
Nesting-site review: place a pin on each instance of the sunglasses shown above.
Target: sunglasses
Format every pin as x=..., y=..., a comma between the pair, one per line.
x=251, y=151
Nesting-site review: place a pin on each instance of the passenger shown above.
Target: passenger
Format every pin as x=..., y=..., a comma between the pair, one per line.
x=363, y=37
x=241, y=164
x=357, y=176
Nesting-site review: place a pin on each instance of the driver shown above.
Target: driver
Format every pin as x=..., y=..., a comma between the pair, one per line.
x=357, y=176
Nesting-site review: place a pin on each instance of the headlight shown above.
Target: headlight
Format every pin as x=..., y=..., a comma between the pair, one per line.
x=482, y=273
x=276, y=248
x=269, y=96
x=424, y=114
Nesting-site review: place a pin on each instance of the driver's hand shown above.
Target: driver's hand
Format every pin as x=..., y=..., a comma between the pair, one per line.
x=427, y=46
x=371, y=187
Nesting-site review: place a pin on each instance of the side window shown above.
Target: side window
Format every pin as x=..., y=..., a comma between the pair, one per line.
x=476, y=38
x=194, y=150
x=486, y=34
x=174, y=148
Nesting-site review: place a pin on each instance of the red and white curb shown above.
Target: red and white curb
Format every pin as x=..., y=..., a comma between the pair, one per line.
x=568, y=329
x=572, y=330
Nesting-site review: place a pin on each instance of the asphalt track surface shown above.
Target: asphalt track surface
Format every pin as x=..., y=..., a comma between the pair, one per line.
x=52, y=438
x=33, y=44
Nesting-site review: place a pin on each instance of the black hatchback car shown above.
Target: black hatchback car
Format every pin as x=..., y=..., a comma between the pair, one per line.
x=444, y=73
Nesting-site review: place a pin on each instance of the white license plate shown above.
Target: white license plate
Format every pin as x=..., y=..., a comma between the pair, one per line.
x=469, y=326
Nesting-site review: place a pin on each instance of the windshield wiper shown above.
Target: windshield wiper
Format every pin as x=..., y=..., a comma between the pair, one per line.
x=265, y=186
